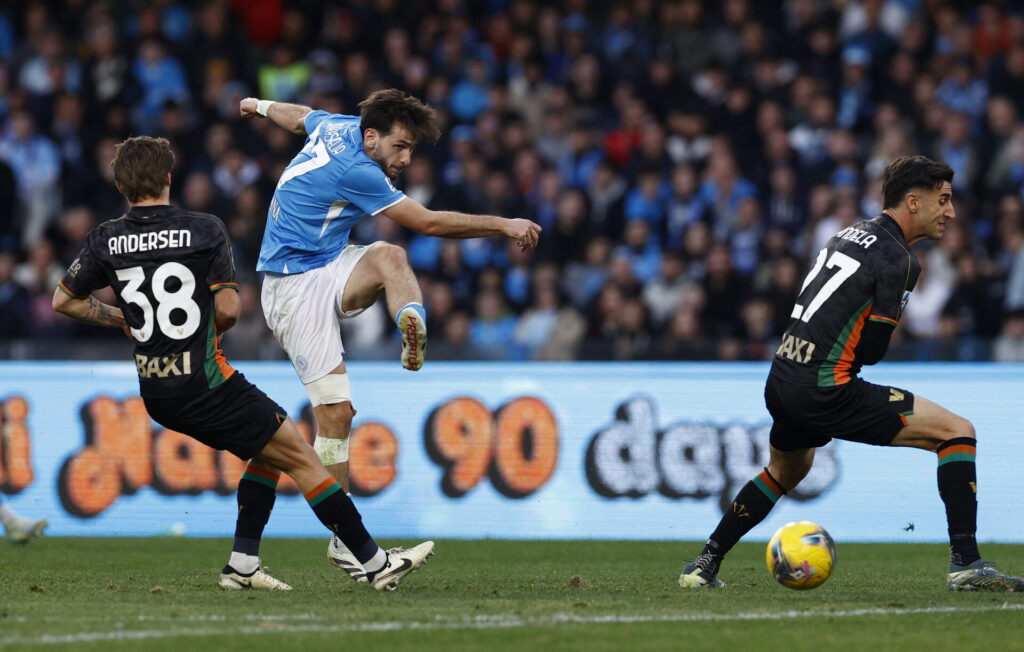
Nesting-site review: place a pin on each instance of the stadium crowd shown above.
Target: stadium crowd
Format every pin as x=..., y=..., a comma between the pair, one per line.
x=686, y=159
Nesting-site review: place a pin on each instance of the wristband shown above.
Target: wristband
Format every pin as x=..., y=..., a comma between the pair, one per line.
x=263, y=106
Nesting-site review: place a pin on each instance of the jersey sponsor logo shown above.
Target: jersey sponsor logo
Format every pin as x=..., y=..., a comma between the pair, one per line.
x=795, y=348
x=390, y=185
x=300, y=363
x=163, y=239
x=164, y=366
x=76, y=267
x=857, y=236
x=895, y=395
x=904, y=300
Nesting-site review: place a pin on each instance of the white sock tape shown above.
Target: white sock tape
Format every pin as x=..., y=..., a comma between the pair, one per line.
x=331, y=451
x=263, y=106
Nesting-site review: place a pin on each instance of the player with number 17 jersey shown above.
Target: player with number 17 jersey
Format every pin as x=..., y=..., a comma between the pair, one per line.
x=865, y=273
x=842, y=319
x=164, y=264
x=328, y=187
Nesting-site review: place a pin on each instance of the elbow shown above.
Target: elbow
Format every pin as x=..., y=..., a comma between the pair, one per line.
x=224, y=320
x=59, y=301
x=431, y=227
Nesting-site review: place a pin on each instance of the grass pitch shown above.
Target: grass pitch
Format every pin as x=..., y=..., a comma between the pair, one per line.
x=161, y=594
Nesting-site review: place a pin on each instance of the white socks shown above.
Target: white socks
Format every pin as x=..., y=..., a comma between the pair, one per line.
x=375, y=563
x=243, y=563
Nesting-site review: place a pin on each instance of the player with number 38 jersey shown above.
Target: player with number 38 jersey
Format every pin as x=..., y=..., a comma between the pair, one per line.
x=165, y=264
x=864, y=276
x=173, y=276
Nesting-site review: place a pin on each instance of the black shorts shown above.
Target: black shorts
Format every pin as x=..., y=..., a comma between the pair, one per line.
x=236, y=417
x=808, y=417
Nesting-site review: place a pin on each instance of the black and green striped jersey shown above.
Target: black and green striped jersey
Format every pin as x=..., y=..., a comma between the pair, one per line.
x=865, y=272
x=164, y=264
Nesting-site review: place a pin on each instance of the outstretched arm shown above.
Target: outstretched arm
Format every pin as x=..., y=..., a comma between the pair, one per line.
x=289, y=116
x=449, y=224
x=90, y=310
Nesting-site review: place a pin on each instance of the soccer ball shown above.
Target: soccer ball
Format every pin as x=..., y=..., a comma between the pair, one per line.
x=801, y=555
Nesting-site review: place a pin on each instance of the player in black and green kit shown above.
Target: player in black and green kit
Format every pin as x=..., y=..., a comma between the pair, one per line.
x=174, y=278
x=845, y=313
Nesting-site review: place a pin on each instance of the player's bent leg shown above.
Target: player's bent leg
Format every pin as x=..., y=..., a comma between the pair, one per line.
x=930, y=425
x=331, y=398
x=953, y=438
x=332, y=405
x=385, y=268
x=752, y=504
x=289, y=452
x=790, y=467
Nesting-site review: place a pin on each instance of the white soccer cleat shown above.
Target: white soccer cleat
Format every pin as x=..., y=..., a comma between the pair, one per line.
x=258, y=579
x=400, y=563
x=343, y=559
x=414, y=338
x=22, y=530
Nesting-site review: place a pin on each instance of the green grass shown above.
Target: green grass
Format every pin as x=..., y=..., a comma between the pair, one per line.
x=102, y=594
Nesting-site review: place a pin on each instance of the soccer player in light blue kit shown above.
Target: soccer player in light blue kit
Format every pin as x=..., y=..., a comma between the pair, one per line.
x=313, y=276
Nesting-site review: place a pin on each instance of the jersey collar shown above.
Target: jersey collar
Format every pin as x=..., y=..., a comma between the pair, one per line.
x=143, y=212
x=887, y=222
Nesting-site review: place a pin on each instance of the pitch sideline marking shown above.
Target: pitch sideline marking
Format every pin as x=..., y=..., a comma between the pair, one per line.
x=483, y=622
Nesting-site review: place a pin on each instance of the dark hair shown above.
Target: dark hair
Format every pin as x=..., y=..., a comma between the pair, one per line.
x=383, y=108
x=141, y=165
x=909, y=172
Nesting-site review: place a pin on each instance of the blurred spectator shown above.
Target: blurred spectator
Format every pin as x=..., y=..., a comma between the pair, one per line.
x=15, y=319
x=725, y=289
x=1009, y=346
x=548, y=329
x=35, y=161
x=685, y=207
x=492, y=325
x=684, y=339
x=663, y=294
x=640, y=249
x=161, y=78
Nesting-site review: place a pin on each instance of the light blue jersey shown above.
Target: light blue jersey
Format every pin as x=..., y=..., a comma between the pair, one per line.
x=327, y=188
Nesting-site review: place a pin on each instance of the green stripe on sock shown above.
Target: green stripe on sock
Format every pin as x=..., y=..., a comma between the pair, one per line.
x=259, y=478
x=772, y=496
x=957, y=457
x=325, y=494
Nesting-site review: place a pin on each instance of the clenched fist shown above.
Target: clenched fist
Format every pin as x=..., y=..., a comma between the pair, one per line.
x=524, y=232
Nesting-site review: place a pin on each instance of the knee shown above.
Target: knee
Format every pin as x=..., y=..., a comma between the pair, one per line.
x=789, y=475
x=391, y=257
x=960, y=427
x=335, y=420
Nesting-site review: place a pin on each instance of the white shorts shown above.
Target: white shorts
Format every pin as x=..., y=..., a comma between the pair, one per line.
x=304, y=311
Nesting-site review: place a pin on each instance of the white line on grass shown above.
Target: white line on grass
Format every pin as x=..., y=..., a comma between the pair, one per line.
x=273, y=624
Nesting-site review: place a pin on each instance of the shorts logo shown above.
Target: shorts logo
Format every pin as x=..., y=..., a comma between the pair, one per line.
x=300, y=363
x=895, y=395
x=903, y=301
